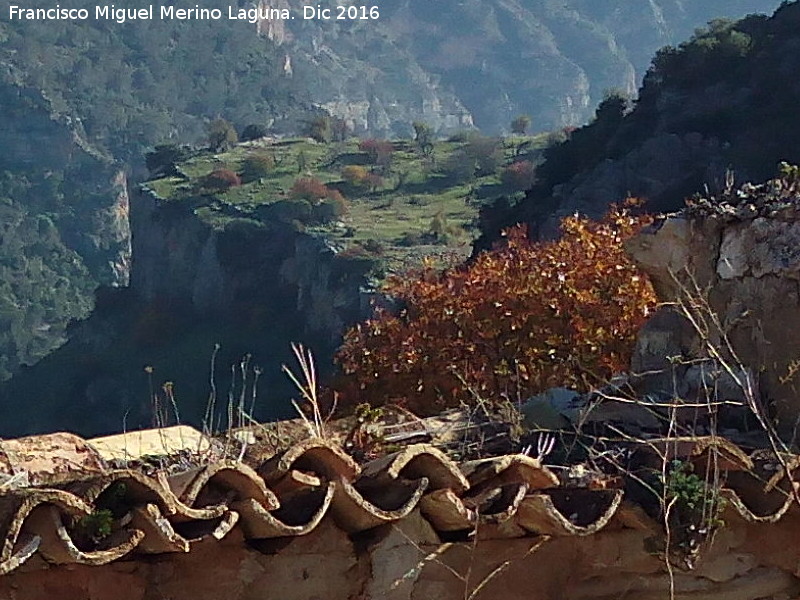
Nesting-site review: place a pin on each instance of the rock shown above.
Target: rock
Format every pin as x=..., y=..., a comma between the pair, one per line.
x=742, y=272
x=553, y=409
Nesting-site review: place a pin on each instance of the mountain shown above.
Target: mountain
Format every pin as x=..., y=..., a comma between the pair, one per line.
x=452, y=62
x=721, y=105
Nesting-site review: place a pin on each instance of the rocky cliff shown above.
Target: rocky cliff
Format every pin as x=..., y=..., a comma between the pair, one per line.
x=180, y=257
x=453, y=62
x=731, y=262
x=246, y=285
x=65, y=222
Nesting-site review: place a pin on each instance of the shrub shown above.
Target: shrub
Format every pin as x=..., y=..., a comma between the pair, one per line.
x=221, y=135
x=340, y=130
x=334, y=206
x=379, y=151
x=354, y=174
x=519, y=319
x=486, y=153
x=221, y=180
x=373, y=246
x=326, y=204
x=319, y=129
x=253, y=132
x=461, y=136
x=163, y=160
x=520, y=124
x=373, y=181
x=519, y=176
x=256, y=166
x=308, y=188
x=459, y=167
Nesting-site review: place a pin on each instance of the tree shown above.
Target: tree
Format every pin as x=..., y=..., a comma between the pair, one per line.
x=354, y=174
x=485, y=153
x=302, y=161
x=423, y=136
x=334, y=206
x=520, y=124
x=373, y=181
x=519, y=176
x=379, y=151
x=339, y=129
x=308, y=188
x=256, y=166
x=164, y=158
x=253, y=131
x=320, y=129
x=519, y=319
x=326, y=204
x=221, y=135
x=221, y=180
x=459, y=167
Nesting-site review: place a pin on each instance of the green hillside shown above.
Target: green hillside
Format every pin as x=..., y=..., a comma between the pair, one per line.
x=417, y=203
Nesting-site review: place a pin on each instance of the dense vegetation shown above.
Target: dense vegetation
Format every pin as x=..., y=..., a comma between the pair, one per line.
x=519, y=319
x=725, y=99
x=134, y=85
x=43, y=284
x=82, y=102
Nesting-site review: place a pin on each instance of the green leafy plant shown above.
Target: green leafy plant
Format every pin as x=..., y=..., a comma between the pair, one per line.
x=694, y=506
x=96, y=526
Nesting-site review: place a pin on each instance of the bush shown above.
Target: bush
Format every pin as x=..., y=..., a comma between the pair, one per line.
x=163, y=160
x=374, y=181
x=308, y=188
x=461, y=136
x=326, y=204
x=221, y=135
x=520, y=124
x=518, y=320
x=459, y=167
x=354, y=174
x=253, y=132
x=320, y=130
x=221, y=180
x=519, y=176
x=379, y=151
x=331, y=208
x=256, y=166
x=486, y=153
x=373, y=246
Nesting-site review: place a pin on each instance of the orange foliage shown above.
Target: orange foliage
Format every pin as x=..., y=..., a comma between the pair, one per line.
x=222, y=179
x=519, y=176
x=354, y=174
x=379, y=151
x=519, y=319
x=308, y=188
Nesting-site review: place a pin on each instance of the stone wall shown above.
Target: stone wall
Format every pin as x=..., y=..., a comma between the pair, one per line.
x=748, y=270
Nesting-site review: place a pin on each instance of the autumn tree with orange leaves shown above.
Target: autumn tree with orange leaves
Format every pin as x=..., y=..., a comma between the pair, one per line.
x=518, y=320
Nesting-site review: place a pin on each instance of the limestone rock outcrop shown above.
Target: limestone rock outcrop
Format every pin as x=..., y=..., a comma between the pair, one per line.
x=735, y=261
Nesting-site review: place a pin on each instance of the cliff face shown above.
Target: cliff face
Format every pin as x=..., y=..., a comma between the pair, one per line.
x=180, y=258
x=733, y=262
x=248, y=288
x=456, y=61
x=44, y=145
